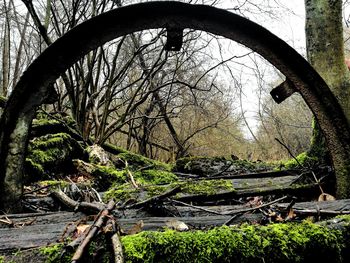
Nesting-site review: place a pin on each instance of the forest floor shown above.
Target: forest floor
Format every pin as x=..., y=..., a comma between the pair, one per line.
x=102, y=202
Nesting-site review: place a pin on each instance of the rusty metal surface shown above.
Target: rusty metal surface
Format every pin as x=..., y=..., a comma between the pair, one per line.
x=32, y=87
x=283, y=91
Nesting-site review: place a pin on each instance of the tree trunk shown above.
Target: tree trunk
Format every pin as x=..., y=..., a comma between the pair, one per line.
x=12, y=187
x=6, y=53
x=325, y=46
x=325, y=52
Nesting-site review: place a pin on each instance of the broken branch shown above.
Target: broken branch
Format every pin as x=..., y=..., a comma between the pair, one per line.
x=97, y=225
x=80, y=206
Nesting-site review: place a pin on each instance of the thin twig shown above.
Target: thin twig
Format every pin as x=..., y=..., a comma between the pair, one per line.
x=133, y=182
x=86, y=206
x=236, y=213
x=318, y=182
x=228, y=222
x=254, y=208
x=196, y=207
x=290, y=152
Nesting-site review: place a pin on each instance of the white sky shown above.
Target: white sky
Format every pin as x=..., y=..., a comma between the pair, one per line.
x=286, y=20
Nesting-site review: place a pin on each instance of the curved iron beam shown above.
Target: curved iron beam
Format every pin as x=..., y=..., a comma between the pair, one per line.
x=32, y=86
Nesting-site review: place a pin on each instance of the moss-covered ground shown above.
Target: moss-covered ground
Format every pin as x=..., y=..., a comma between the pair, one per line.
x=302, y=242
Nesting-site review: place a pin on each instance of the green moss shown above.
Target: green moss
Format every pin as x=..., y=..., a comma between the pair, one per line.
x=44, y=122
x=137, y=161
x=113, y=149
x=54, y=183
x=121, y=192
x=54, y=253
x=98, y=251
x=304, y=242
x=33, y=168
x=156, y=177
x=207, y=187
x=50, y=153
x=105, y=177
x=2, y=259
x=154, y=190
x=201, y=187
x=303, y=159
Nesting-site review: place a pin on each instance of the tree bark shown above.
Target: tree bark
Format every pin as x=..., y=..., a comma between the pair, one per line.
x=325, y=46
x=12, y=186
x=6, y=53
x=325, y=52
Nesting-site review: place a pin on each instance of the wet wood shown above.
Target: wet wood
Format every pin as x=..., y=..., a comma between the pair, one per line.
x=308, y=190
x=50, y=228
x=232, y=175
x=327, y=208
x=47, y=228
x=74, y=205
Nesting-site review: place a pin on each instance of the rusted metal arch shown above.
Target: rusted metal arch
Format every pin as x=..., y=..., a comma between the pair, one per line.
x=32, y=87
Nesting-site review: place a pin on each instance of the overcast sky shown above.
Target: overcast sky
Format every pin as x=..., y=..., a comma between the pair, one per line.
x=286, y=19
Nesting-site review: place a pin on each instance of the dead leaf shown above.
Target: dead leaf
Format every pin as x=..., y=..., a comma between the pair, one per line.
x=80, y=179
x=176, y=225
x=290, y=215
x=255, y=201
x=137, y=228
x=81, y=229
x=279, y=218
x=326, y=197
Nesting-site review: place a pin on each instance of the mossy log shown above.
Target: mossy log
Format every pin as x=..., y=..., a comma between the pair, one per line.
x=285, y=242
x=229, y=175
x=49, y=227
x=304, y=242
x=49, y=154
x=214, y=166
x=43, y=126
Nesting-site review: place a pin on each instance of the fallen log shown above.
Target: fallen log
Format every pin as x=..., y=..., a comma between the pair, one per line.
x=308, y=190
x=304, y=242
x=117, y=249
x=229, y=175
x=48, y=229
x=325, y=208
